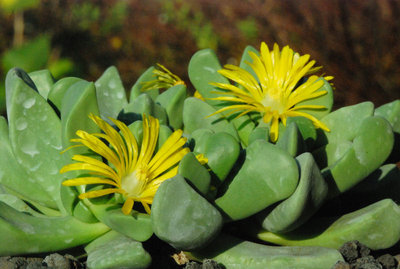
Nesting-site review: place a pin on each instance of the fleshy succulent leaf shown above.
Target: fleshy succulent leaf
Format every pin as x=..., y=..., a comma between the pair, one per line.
x=182, y=217
x=256, y=185
x=43, y=81
x=198, y=140
x=195, y=173
x=114, y=250
x=233, y=252
x=344, y=123
x=136, y=225
x=42, y=234
x=203, y=69
x=308, y=197
x=247, y=59
x=35, y=135
x=58, y=90
x=110, y=93
x=143, y=104
x=195, y=116
x=136, y=89
x=222, y=152
x=13, y=175
x=172, y=101
x=291, y=140
x=368, y=150
x=377, y=226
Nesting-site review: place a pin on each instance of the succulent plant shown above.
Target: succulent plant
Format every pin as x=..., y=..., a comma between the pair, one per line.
x=263, y=158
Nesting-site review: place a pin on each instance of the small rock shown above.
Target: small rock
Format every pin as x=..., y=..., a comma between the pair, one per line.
x=210, y=264
x=73, y=262
x=20, y=262
x=367, y=262
x=341, y=265
x=353, y=250
x=35, y=265
x=387, y=261
x=193, y=265
x=349, y=251
x=58, y=261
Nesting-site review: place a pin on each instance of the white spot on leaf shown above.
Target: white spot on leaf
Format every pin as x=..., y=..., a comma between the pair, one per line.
x=29, y=103
x=21, y=124
x=112, y=84
x=29, y=149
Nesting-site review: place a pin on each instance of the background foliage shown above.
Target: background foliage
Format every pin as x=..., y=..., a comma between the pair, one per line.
x=358, y=41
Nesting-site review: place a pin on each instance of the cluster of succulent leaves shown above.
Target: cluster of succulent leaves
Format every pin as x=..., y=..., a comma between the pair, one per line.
x=311, y=191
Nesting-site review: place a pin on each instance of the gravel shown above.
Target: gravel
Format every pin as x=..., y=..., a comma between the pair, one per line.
x=358, y=256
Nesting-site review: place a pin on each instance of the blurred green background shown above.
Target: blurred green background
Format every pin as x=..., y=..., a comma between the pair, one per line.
x=358, y=41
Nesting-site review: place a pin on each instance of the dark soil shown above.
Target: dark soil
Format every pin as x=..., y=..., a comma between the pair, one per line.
x=358, y=256
x=355, y=255
x=55, y=261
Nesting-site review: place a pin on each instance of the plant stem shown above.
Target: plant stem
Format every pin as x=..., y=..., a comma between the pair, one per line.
x=18, y=39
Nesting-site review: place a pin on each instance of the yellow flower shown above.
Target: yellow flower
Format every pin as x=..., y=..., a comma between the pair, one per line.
x=164, y=79
x=133, y=171
x=198, y=95
x=275, y=93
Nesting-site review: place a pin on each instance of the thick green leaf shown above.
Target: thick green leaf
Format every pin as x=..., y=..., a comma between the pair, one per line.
x=302, y=204
x=16, y=203
x=344, y=123
x=203, y=69
x=234, y=253
x=182, y=217
x=377, y=226
x=195, y=116
x=370, y=148
x=13, y=175
x=307, y=130
x=247, y=59
x=110, y=93
x=381, y=184
x=148, y=75
x=198, y=140
x=43, y=81
x=137, y=130
x=390, y=112
x=35, y=135
x=42, y=234
x=195, y=173
x=259, y=133
x=291, y=140
x=244, y=126
x=258, y=184
x=222, y=152
x=172, y=101
x=78, y=102
x=59, y=88
x=143, y=104
x=82, y=213
x=136, y=225
x=114, y=250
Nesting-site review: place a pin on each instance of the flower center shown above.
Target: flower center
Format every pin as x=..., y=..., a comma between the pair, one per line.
x=135, y=182
x=273, y=102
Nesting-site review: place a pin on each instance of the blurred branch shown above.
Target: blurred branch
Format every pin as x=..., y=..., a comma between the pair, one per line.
x=18, y=39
